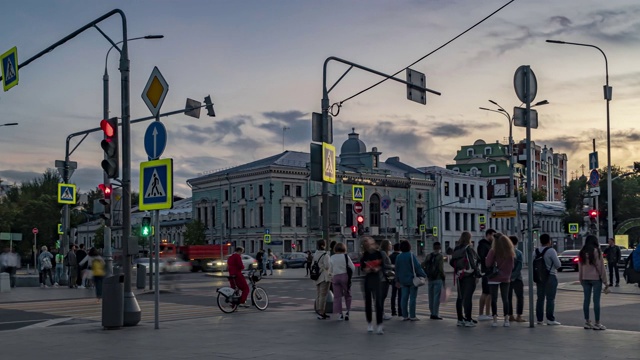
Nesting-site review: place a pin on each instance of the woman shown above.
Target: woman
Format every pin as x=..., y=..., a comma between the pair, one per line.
x=465, y=277
x=592, y=275
x=385, y=248
x=407, y=267
x=96, y=263
x=45, y=263
x=236, y=278
x=271, y=259
x=500, y=262
x=309, y=261
x=372, y=265
x=321, y=257
x=341, y=280
x=517, y=285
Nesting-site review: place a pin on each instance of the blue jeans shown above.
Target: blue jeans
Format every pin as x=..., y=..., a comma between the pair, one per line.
x=435, y=288
x=59, y=272
x=547, y=290
x=409, y=295
x=588, y=286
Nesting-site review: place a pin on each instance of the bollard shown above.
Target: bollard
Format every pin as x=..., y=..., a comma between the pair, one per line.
x=113, y=302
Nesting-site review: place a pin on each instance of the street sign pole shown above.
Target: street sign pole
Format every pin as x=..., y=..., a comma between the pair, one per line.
x=156, y=314
x=597, y=197
x=35, y=251
x=529, y=194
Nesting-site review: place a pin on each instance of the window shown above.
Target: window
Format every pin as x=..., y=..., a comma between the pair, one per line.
x=299, y=216
x=472, y=189
x=457, y=221
x=470, y=152
x=213, y=217
x=287, y=216
x=226, y=218
x=287, y=190
x=261, y=216
x=456, y=190
x=206, y=217
x=447, y=221
x=374, y=210
x=464, y=222
x=226, y=195
x=473, y=221
x=493, y=169
x=487, y=151
x=446, y=188
x=242, y=193
x=420, y=220
x=250, y=191
x=199, y=214
x=298, y=191
x=464, y=190
x=481, y=191
x=348, y=210
x=243, y=217
x=260, y=190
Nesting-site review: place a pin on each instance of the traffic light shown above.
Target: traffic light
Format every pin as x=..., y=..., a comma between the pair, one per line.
x=354, y=231
x=110, y=164
x=360, y=221
x=106, y=191
x=145, y=228
x=593, y=214
x=106, y=202
x=209, y=106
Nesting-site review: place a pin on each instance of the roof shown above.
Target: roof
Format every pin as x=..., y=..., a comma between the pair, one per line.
x=287, y=158
x=497, y=150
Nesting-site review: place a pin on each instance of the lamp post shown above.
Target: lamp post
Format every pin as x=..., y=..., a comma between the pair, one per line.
x=105, y=115
x=608, y=92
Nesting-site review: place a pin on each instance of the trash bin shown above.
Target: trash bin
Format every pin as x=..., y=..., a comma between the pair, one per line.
x=113, y=302
x=141, y=276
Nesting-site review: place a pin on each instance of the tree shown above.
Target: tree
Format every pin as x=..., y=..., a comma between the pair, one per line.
x=537, y=195
x=98, y=241
x=195, y=233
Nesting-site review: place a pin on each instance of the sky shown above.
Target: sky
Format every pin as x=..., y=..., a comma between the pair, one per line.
x=262, y=64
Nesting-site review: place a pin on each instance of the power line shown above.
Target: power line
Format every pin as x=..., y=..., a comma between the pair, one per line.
x=424, y=57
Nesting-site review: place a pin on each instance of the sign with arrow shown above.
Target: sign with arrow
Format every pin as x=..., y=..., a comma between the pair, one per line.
x=155, y=140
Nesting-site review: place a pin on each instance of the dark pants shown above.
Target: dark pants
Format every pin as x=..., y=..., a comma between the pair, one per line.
x=73, y=276
x=504, y=294
x=97, y=281
x=613, y=269
x=396, y=294
x=517, y=286
x=11, y=270
x=466, y=286
x=43, y=276
x=308, y=267
x=373, y=289
x=546, y=291
x=79, y=275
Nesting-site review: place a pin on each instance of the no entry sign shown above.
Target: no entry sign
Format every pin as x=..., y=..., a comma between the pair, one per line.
x=357, y=207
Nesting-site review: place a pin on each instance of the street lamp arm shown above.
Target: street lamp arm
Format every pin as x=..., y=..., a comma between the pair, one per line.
x=606, y=62
x=503, y=112
x=132, y=39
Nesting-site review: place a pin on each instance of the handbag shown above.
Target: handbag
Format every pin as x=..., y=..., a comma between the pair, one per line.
x=493, y=271
x=417, y=280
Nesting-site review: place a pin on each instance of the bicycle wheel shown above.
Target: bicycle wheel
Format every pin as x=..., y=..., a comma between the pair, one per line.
x=225, y=304
x=260, y=298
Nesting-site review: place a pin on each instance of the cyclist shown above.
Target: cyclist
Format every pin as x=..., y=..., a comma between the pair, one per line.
x=235, y=266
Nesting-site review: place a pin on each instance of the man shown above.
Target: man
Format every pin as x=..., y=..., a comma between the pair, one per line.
x=484, y=246
x=548, y=288
x=395, y=291
x=434, y=267
x=612, y=254
x=80, y=255
x=517, y=285
x=71, y=262
x=235, y=266
x=260, y=259
x=321, y=257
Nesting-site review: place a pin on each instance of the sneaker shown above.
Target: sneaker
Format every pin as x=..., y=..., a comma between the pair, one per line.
x=617, y=285
x=42, y=285
x=414, y=319
x=321, y=317
x=380, y=330
x=484, y=317
x=610, y=285
x=81, y=287
x=393, y=313
x=435, y=317
x=598, y=326
x=346, y=316
x=511, y=318
x=386, y=316
x=341, y=318
x=539, y=322
x=246, y=306
x=469, y=324
x=405, y=319
x=46, y=286
x=494, y=323
x=588, y=325
x=460, y=323
x=369, y=328
x=506, y=323
x=55, y=285
x=520, y=319
x=553, y=322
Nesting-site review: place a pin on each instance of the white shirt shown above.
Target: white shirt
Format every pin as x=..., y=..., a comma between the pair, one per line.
x=338, y=264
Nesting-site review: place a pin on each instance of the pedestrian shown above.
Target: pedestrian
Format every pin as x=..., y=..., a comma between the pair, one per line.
x=484, y=246
x=236, y=278
x=592, y=275
x=332, y=246
x=97, y=269
x=341, y=269
x=59, y=270
x=396, y=293
x=385, y=249
x=499, y=262
x=44, y=259
x=433, y=266
x=71, y=262
x=80, y=255
x=309, y=261
x=271, y=259
x=408, y=267
x=517, y=285
x=466, y=273
x=260, y=258
x=613, y=256
x=547, y=289
x=372, y=264
x=321, y=258
x=8, y=265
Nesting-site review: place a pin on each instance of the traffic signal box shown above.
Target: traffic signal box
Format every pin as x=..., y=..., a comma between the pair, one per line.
x=145, y=228
x=109, y=145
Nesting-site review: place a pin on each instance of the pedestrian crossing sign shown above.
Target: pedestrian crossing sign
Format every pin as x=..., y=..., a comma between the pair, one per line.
x=574, y=228
x=9, y=62
x=267, y=238
x=357, y=192
x=60, y=232
x=156, y=185
x=66, y=194
x=328, y=163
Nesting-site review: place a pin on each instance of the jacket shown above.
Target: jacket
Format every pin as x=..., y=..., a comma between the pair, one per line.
x=596, y=271
x=406, y=262
x=505, y=267
x=235, y=265
x=516, y=274
x=483, y=250
x=322, y=257
x=612, y=253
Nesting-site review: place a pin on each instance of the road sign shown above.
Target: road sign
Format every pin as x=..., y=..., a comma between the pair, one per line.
x=519, y=83
x=357, y=207
x=423, y=228
x=519, y=117
x=385, y=202
x=594, y=191
x=66, y=194
x=155, y=91
x=35, y=230
x=482, y=219
x=60, y=232
x=594, y=178
x=155, y=140
x=156, y=184
x=267, y=238
x=593, y=160
x=9, y=62
x=574, y=228
x=419, y=82
x=482, y=226
x=192, y=108
x=434, y=231
x=267, y=231
x=71, y=166
x=328, y=163
x=357, y=192
x=503, y=207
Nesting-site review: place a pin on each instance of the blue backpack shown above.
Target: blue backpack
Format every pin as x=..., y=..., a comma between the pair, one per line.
x=636, y=259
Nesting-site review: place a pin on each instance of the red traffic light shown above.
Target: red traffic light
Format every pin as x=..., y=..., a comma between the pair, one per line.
x=106, y=190
x=354, y=228
x=107, y=128
x=593, y=213
x=360, y=219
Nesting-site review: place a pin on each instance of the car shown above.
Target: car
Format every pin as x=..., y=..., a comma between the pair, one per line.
x=145, y=262
x=624, y=255
x=569, y=259
x=176, y=265
x=248, y=261
x=291, y=260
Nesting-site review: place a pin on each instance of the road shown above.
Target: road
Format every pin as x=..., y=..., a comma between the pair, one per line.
x=288, y=290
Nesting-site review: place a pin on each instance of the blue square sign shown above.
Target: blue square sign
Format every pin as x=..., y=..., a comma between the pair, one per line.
x=156, y=184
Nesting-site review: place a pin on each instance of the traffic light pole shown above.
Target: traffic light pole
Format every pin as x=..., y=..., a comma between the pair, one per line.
x=108, y=256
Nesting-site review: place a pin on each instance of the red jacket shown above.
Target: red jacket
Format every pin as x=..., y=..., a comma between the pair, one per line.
x=235, y=265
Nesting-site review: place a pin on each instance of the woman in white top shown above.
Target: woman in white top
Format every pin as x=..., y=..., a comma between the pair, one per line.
x=341, y=268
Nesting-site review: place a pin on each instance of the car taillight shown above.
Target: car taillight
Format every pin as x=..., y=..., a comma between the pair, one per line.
x=576, y=259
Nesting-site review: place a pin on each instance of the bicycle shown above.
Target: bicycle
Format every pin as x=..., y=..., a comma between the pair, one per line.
x=229, y=297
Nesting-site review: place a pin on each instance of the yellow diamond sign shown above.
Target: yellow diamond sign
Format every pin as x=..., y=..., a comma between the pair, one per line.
x=155, y=91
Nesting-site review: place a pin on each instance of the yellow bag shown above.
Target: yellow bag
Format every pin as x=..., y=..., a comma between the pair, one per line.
x=97, y=268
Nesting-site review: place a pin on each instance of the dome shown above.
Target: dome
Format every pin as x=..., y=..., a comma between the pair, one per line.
x=353, y=145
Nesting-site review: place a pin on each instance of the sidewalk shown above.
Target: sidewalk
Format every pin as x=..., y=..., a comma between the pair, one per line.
x=250, y=334
x=623, y=289
x=22, y=294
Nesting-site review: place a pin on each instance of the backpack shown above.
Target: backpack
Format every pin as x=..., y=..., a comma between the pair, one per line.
x=65, y=262
x=540, y=271
x=431, y=266
x=315, y=271
x=462, y=263
x=630, y=274
x=349, y=271
x=97, y=268
x=46, y=263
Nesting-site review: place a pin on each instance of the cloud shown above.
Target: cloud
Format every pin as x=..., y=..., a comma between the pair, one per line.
x=216, y=132
x=15, y=176
x=449, y=130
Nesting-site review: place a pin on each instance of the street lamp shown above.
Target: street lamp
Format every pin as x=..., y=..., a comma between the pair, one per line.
x=9, y=124
x=608, y=92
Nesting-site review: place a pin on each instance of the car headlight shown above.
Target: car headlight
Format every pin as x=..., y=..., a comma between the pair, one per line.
x=279, y=262
x=210, y=264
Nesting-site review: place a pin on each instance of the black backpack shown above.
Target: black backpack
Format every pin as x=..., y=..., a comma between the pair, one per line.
x=314, y=273
x=540, y=271
x=431, y=266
